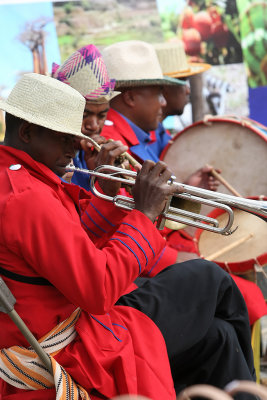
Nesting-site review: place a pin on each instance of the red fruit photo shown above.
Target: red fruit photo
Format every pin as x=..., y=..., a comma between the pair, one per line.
x=211, y=31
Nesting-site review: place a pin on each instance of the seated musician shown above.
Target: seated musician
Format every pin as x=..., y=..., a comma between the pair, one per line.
x=68, y=259
x=180, y=246
x=136, y=114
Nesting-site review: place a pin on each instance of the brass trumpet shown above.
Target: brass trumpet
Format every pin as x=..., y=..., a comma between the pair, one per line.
x=191, y=193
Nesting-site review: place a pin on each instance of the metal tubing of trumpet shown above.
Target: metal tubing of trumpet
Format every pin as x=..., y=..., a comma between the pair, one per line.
x=254, y=206
x=214, y=199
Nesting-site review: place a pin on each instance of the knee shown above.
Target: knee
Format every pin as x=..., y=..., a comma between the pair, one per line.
x=205, y=268
x=220, y=332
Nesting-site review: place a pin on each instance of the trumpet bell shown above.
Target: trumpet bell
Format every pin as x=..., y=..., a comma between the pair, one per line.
x=182, y=204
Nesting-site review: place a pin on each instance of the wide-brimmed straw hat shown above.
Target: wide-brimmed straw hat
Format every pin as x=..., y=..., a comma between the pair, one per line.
x=134, y=63
x=86, y=72
x=173, y=61
x=46, y=102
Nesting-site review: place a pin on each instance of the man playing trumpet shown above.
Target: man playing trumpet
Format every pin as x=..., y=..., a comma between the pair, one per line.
x=128, y=110
x=66, y=255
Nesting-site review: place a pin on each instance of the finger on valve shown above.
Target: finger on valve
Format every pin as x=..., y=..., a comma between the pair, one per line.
x=151, y=189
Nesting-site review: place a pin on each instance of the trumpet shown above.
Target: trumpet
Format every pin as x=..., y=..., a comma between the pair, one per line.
x=176, y=214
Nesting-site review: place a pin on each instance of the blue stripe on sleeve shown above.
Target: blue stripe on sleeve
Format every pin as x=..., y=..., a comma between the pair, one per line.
x=130, y=250
x=106, y=327
x=101, y=215
x=91, y=219
x=135, y=241
x=153, y=266
x=90, y=230
x=125, y=223
x=123, y=327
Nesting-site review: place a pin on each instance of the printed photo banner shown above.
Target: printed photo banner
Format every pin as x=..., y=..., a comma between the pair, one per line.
x=232, y=36
x=38, y=33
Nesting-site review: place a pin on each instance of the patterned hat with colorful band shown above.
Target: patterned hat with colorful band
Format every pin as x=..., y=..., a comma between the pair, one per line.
x=86, y=72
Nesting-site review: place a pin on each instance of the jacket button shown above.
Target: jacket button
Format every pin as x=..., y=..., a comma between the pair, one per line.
x=108, y=122
x=15, y=167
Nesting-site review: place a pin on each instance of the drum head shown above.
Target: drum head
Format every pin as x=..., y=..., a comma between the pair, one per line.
x=251, y=229
x=240, y=152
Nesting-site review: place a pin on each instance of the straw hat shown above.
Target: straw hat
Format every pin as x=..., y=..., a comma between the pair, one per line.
x=86, y=72
x=173, y=61
x=135, y=63
x=47, y=102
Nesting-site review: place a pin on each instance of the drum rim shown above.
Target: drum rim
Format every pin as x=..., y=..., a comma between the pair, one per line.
x=216, y=119
x=260, y=259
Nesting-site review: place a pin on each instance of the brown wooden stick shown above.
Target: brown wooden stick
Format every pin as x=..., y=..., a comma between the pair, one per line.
x=126, y=155
x=225, y=183
x=230, y=246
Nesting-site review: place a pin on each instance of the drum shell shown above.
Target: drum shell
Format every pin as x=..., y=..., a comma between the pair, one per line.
x=248, y=268
x=236, y=146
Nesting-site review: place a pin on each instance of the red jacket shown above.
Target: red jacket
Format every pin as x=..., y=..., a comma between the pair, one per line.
x=179, y=240
x=56, y=231
x=121, y=130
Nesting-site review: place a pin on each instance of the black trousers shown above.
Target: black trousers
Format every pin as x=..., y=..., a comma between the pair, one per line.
x=203, y=319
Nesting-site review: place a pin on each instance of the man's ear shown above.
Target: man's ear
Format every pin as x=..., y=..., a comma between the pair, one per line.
x=129, y=97
x=25, y=132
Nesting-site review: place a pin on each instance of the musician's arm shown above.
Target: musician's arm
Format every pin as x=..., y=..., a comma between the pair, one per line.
x=55, y=247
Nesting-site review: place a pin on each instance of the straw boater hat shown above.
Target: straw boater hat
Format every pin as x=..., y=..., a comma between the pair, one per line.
x=173, y=61
x=134, y=63
x=46, y=102
x=86, y=72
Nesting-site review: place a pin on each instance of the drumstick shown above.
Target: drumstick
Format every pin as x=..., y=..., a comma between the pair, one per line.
x=231, y=246
x=126, y=155
x=225, y=183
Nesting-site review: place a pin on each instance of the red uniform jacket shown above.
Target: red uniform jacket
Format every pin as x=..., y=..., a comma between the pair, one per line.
x=178, y=240
x=54, y=230
x=121, y=130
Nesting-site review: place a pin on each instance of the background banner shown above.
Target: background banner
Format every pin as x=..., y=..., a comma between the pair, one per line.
x=37, y=33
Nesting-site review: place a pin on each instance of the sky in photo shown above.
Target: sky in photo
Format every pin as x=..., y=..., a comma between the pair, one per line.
x=17, y=58
x=171, y=5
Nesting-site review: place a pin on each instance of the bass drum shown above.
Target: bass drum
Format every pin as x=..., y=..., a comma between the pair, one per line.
x=238, y=147
x=244, y=252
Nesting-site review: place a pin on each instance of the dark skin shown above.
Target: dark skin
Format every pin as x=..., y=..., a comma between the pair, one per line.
x=55, y=150
x=133, y=103
x=142, y=105
x=94, y=117
x=108, y=155
x=176, y=99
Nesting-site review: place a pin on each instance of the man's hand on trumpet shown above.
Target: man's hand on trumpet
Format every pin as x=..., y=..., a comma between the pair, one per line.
x=108, y=154
x=151, y=189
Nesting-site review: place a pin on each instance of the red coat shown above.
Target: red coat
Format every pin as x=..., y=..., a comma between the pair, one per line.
x=118, y=349
x=178, y=240
x=121, y=130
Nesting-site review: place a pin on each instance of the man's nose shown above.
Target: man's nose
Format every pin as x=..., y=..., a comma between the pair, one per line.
x=72, y=146
x=91, y=123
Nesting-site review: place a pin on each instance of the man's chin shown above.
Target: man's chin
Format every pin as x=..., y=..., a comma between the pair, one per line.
x=60, y=171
